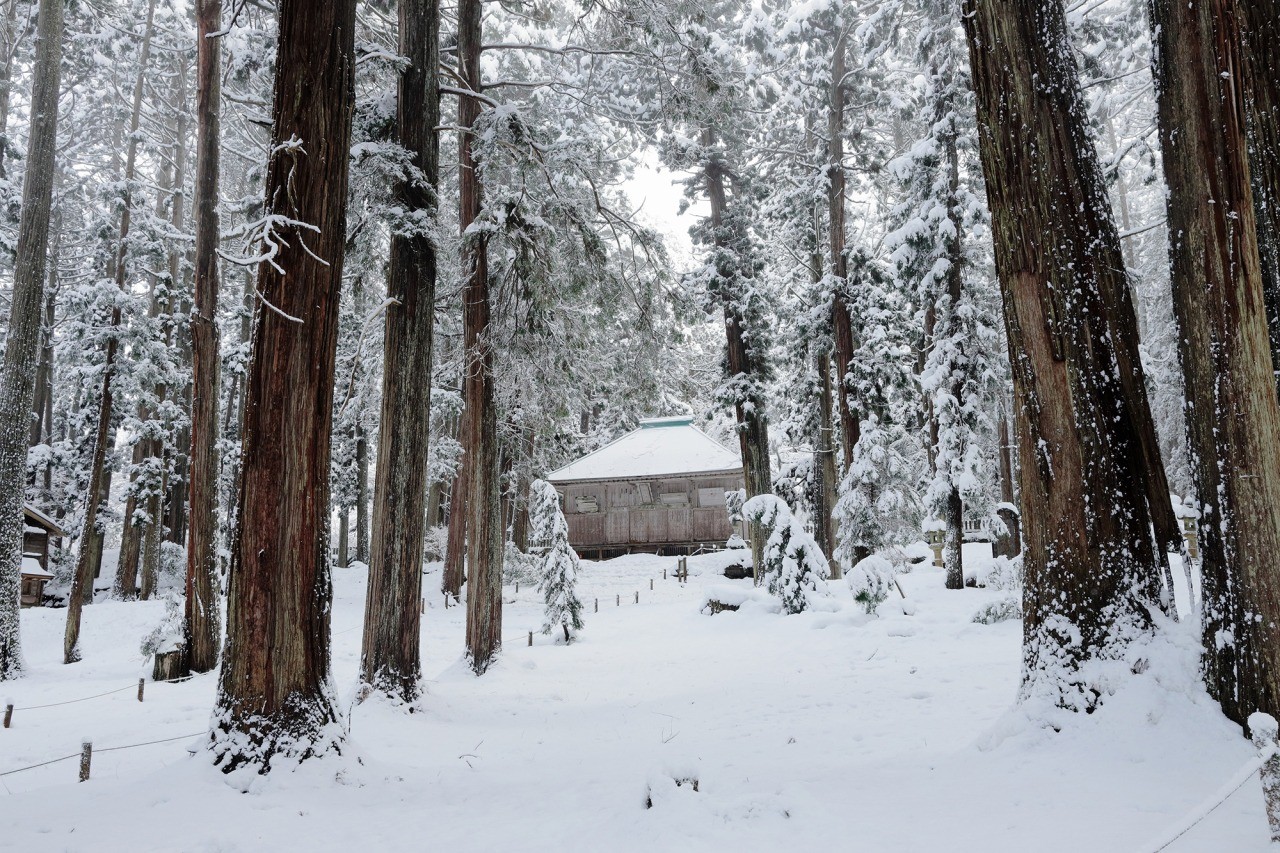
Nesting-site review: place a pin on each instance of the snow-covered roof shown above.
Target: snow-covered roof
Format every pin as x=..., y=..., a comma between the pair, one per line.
x=31, y=568
x=661, y=447
x=42, y=520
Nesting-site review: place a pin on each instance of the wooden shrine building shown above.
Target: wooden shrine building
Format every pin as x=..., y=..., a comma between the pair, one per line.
x=657, y=489
x=37, y=530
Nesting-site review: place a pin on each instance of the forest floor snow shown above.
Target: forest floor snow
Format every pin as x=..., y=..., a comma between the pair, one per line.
x=825, y=731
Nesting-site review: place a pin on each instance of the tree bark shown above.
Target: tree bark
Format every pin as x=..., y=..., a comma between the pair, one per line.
x=9, y=43
x=17, y=382
x=1233, y=417
x=744, y=356
x=1260, y=81
x=362, y=494
x=275, y=691
x=953, y=545
x=842, y=323
x=480, y=441
x=1086, y=441
x=391, y=661
x=201, y=610
x=91, y=537
x=456, y=543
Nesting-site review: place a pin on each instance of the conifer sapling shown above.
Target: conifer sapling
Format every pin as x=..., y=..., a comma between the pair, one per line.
x=558, y=572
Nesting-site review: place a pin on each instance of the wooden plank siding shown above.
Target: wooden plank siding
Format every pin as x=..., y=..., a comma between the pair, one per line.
x=647, y=513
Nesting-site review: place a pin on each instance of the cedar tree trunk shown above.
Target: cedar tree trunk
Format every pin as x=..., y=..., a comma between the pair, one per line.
x=17, y=382
x=1087, y=453
x=391, y=660
x=275, y=692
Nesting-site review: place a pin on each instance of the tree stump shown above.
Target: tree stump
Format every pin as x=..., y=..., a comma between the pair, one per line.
x=170, y=665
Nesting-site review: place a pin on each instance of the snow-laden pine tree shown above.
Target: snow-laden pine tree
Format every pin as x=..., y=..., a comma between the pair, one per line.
x=558, y=566
x=793, y=568
x=877, y=499
x=940, y=256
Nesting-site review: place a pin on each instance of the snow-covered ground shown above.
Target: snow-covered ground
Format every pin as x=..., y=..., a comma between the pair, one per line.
x=828, y=731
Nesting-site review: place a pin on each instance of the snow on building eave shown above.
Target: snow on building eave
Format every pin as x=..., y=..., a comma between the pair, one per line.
x=647, y=437
x=35, y=514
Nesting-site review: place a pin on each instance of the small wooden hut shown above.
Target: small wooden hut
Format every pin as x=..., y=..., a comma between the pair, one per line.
x=37, y=530
x=659, y=488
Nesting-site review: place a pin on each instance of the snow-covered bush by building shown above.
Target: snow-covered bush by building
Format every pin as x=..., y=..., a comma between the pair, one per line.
x=794, y=568
x=558, y=573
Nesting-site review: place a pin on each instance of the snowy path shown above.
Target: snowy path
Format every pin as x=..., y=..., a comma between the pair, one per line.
x=813, y=732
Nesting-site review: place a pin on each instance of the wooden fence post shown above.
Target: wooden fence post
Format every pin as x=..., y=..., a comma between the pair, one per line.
x=531, y=638
x=597, y=610
x=141, y=684
x=8, y=714
x=637, y=596
x=86, y=755
x=650, y=584
x=618, y=602
x=1263, y=728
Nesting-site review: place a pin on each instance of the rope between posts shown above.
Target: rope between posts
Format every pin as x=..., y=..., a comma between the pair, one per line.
x=133, y=686
x=149, y=743
x=1202, y=811
x=96, y=750
x=41, y=764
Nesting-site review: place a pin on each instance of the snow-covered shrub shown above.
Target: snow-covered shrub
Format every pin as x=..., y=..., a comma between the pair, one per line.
x=168, y=635
x=558, y=572
x=869, y=580
x=1009, y=607
x=795, y=569
x=1002, y=573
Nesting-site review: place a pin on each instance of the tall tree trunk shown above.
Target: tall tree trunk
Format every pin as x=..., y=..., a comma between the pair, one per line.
x=42, y=409
x=1233, y=417
x=842, y=323
x=953, y=546
x=480, y=441
x=275, y=691
x=1260, y=32
x=201, y=612
x=343, y=559
x=455, y=562
x=82, y=581
x=744, y=356
x=1092, y=562
x=362, y=494
x=17, y=382
x=125, y=587
x=391, y=657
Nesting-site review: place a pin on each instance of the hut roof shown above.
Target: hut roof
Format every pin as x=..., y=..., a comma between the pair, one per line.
x=661, y=447
x=40, y=519
x=31, y=568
